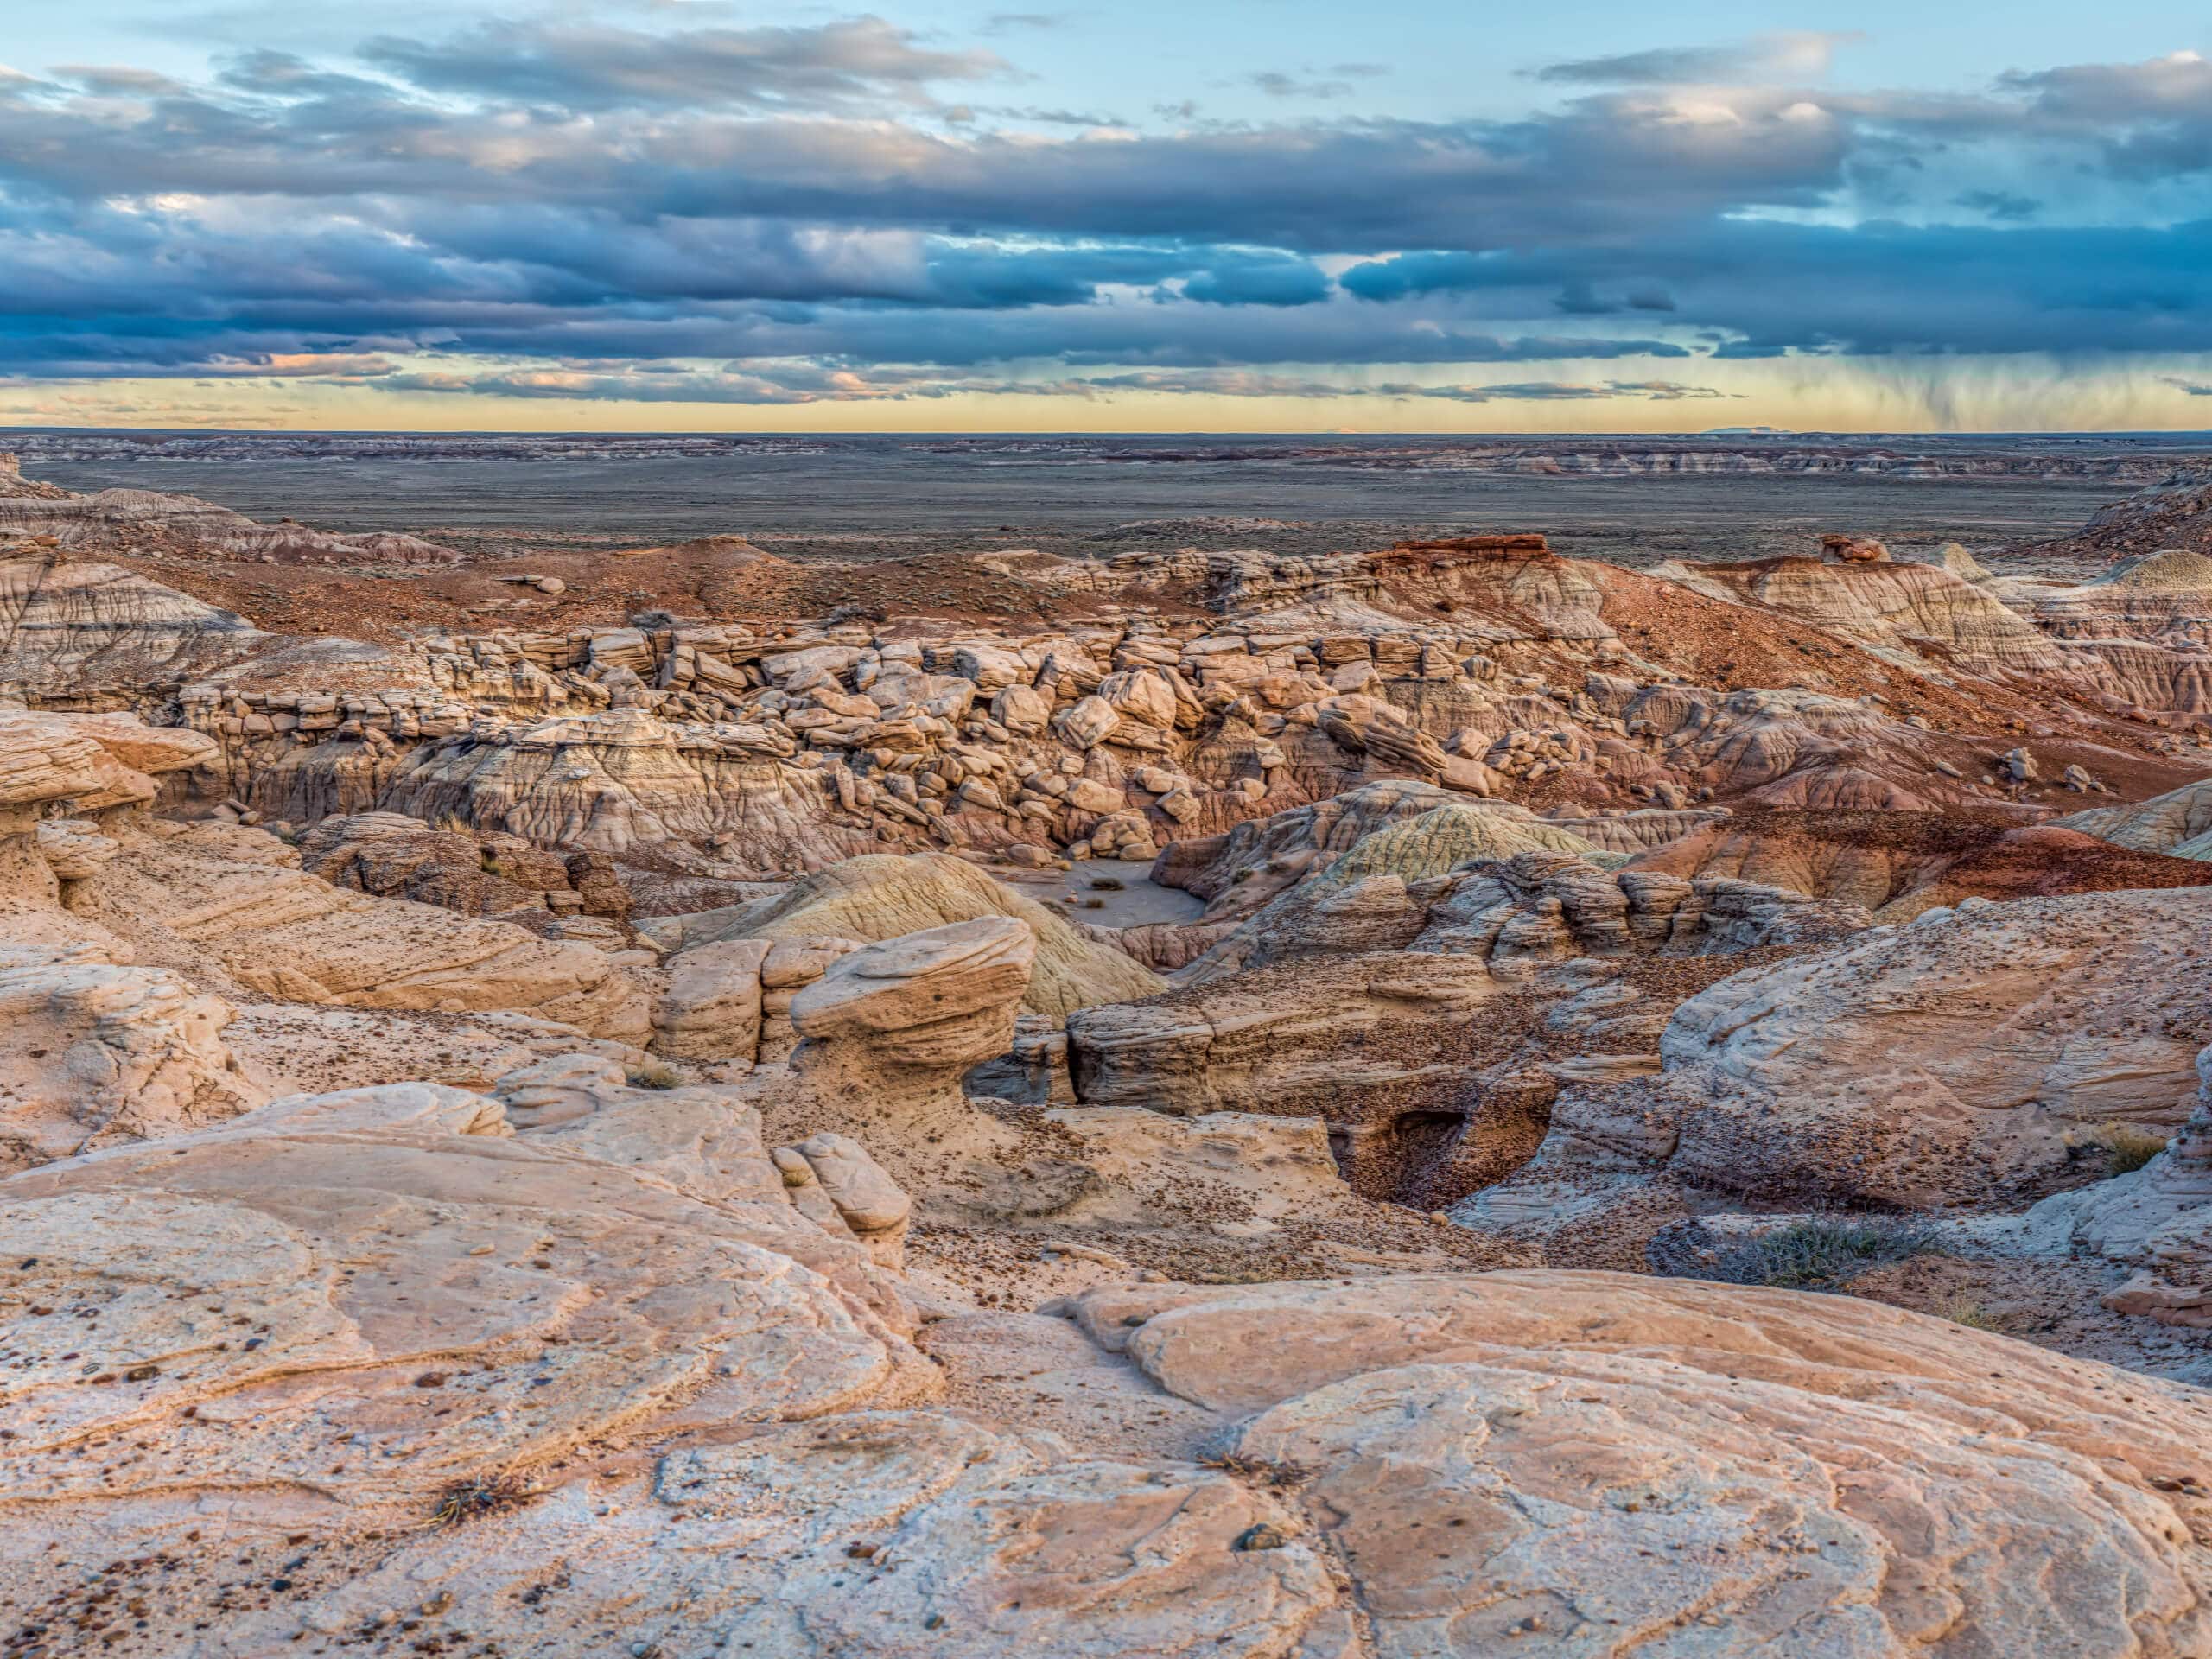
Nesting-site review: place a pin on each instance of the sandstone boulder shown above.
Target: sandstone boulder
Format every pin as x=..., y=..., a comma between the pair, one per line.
x=904, y=1018
x=1584, y=1464
x=1089, y=721
x=303, y=1269
x=711, y=1009
x=1951, y=1060
x=92, y=1054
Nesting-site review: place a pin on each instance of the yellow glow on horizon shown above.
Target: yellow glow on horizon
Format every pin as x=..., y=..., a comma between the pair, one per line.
x=1802, y=394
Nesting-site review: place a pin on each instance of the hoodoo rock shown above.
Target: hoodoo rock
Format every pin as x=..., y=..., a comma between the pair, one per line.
x=887, y=1031
x=1854, y=549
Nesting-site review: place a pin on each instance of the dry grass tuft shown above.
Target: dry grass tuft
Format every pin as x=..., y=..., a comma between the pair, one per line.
x=2128, y=1145
x=1961, y=1309
x=474, y=1500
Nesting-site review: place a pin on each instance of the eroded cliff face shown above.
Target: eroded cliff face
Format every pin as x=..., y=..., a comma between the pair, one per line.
x=1489, y=668
x=71, y=626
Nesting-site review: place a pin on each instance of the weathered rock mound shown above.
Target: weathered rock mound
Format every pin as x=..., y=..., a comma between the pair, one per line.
x=2178, y=822
x=368, y=1240
x=70, y=627
x=1954, y=1060
x=1561, y=1462
x=1897, y=864
x=884, y=897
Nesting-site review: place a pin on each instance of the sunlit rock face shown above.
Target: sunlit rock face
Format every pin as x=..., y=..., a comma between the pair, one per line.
x=73, y=625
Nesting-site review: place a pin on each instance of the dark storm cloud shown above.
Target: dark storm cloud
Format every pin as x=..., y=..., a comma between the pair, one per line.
x=1264, y=281
x=1768, y=287
x=562, y=193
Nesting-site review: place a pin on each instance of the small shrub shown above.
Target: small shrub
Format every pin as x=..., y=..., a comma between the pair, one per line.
x=473, y=1500
x=2128, y=1146
x=1257, y=1471
x=1822, y=1254
x=1106, y=883
x=654, y=1074
x=1094, y=904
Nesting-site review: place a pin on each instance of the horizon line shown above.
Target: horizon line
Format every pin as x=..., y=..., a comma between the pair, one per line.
x=1080, y=432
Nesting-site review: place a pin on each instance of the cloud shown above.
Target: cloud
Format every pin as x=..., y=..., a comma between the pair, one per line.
x=631, y=385
x=1666, y=392
x=1215, y=383
x=559, y=207
x=2194, y=388
x=1546, y=391
x=1275, y=84
x=2179, y=84
x=584, y=66
x=1335, y=82
x=1998, y=205
x=1041, y=116
x=788, y=381
x=1770, y=287
x=2149, y=120
x=1794, y=55
x=120, y=79
x=1259, y=281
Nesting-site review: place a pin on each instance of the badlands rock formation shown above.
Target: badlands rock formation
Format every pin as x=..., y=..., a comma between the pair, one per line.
x=71, y=625
x=873, y=899
x=2157, y=1221
x=1974, y=1059
x=2172, y=511
x=1897, y=864
x=2178, y=824
x=610, y=1106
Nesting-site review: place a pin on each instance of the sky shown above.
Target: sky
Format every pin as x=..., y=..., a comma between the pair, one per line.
x=1237, y=215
